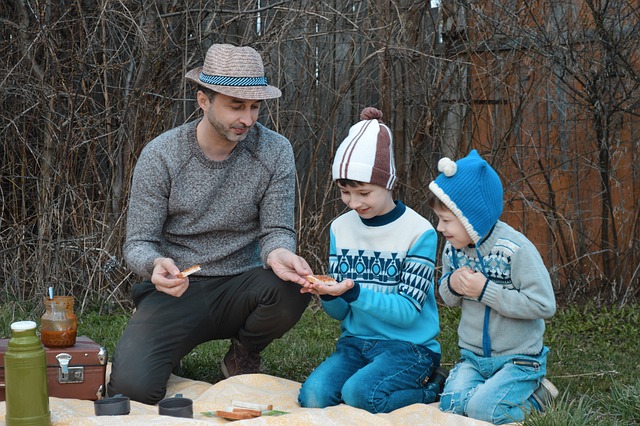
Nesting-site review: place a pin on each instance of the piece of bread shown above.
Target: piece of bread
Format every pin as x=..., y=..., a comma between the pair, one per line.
x=238, y=414
x=256, y=413
x=189, y=271
x=321, y=279
x=251, y=405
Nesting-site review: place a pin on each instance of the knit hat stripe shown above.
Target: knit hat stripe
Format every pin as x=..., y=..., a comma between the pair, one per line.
x=383, y=167
x=351, y=148
x=392, y=164
x=438, y=192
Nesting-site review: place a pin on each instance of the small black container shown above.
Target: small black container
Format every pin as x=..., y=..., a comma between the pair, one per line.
x=176, y=407
x=117, y=405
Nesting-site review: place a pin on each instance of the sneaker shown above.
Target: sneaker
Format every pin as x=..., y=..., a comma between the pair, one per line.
x=240, y=360
x=436, y=381
x=545, y=394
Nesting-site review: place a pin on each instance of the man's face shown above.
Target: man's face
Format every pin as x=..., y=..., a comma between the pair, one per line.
x=231, y=118
x=367, y=200
x=451, y=228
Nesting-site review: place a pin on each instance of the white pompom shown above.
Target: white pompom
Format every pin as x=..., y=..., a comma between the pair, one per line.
x=447, y=166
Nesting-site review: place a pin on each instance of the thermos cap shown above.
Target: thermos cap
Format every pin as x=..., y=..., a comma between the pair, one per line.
x=23, y=325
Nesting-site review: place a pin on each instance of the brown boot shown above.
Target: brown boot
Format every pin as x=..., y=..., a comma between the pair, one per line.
x=240, y=360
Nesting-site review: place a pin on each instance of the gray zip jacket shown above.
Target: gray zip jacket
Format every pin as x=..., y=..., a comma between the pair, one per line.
x=508, y=317
x=226, y=216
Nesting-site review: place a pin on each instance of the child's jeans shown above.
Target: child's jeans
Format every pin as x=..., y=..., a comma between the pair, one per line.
x=493, y=389
x=375, y=375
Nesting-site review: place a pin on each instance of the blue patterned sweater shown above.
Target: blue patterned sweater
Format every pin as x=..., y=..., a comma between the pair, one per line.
x=391, y=259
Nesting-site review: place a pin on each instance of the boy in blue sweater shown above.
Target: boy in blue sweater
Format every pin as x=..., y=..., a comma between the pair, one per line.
x=382, y=254
x=496, y=275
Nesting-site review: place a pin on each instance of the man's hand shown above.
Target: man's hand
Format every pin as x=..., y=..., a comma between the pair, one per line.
x=467, y=282
x=331, y=290
x=289, y=266
x=165, y=277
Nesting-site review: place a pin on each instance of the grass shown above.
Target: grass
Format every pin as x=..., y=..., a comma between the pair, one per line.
x=593, y=360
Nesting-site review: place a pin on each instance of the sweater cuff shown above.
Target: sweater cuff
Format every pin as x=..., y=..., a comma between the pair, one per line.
x=490, y=293
x=327, y=297
x=445, y=280
x=351, y=294
x=486, y=283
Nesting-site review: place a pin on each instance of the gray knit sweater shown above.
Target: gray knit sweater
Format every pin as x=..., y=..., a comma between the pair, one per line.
x=226, y=216
x=518, y=292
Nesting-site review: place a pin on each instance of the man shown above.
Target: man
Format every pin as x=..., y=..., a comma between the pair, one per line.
x=216, y=192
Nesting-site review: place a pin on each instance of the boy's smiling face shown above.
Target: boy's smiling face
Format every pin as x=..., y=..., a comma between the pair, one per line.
x=367, y=200
x=451, y=228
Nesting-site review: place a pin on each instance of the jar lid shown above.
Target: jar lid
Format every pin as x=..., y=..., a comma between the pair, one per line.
x=23, y=325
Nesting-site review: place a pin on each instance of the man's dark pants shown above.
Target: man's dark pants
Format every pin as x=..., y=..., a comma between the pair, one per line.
x=255, y=307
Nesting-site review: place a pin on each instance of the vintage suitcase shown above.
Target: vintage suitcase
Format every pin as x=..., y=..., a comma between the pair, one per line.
x=75, y=372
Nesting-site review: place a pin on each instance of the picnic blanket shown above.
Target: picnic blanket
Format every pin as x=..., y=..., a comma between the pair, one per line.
x=257, y=388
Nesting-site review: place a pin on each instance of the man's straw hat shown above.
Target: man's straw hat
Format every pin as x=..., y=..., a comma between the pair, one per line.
x=234, y=71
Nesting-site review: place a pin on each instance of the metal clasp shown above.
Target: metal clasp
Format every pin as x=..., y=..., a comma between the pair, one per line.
x=103, y=356
x=67, y=374
x=63, y=361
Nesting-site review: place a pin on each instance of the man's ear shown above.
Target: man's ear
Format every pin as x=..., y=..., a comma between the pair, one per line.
x=203, y=99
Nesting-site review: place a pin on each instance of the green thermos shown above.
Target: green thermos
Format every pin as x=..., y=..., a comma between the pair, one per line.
x=25, y=370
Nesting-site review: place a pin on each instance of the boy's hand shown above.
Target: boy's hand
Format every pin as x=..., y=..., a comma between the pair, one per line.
x=467, y=282
x=331, y=290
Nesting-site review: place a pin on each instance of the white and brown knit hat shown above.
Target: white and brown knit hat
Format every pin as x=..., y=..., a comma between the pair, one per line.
x=234, y=71
x=366, y=155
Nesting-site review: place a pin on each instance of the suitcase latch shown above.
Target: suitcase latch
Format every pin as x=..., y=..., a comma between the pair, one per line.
x=66, y=373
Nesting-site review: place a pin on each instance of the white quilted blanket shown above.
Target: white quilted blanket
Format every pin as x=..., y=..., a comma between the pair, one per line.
x=257, y=388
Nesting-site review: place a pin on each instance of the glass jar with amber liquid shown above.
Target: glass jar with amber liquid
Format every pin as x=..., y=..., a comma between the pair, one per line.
x=58, y=326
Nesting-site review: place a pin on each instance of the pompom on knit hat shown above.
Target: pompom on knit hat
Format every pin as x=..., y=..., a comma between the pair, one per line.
x=366, y=155
x=472, y=190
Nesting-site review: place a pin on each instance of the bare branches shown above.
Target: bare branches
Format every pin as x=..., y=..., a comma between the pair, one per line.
x=547, y=91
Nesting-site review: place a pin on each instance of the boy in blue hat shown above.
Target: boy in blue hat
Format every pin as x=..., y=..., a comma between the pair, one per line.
x=496, y=275
x=382, y=253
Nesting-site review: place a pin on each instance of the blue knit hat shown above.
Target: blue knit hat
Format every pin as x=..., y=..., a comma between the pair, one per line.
x=472, y=190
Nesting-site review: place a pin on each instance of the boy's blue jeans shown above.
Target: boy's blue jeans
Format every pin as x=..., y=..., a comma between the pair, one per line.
x=493, y=389
x=375, y=375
